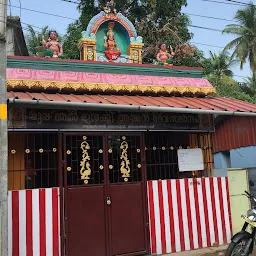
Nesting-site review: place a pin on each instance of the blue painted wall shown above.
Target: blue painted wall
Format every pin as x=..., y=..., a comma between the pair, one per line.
x=222, y=160
x=236, y=158
x=243, y=157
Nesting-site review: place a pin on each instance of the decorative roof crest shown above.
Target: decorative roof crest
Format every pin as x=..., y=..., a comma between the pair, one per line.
x=109, y=8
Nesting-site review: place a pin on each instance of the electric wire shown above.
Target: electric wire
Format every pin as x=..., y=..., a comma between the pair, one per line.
x=190, y=14
x=219, y=2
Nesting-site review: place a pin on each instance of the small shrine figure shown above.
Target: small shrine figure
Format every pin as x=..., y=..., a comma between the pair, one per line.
x=112, y=51
x=110, y=7
x=165, y=58
x=53, y=49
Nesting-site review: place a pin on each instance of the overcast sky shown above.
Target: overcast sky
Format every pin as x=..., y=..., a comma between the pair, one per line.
x=195, y=7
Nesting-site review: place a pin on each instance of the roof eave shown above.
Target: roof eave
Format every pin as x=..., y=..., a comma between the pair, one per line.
x=120, y=107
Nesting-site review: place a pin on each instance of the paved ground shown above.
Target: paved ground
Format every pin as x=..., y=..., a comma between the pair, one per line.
x=223, y=253
x=214, y=251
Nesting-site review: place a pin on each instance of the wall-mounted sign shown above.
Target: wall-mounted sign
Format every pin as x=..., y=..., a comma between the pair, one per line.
x=92, y=120
x=190, y=160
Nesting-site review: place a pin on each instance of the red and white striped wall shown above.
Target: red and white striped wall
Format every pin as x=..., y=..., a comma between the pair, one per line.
x=34, y=222
x=188, y=214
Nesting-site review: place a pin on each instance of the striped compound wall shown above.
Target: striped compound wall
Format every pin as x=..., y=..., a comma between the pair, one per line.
x=184, y=215
x=188, y=214
x=34, y=222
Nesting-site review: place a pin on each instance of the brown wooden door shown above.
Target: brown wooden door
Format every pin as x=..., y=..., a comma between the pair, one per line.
x=105, y=206
x=126, y=191
x=85, y=207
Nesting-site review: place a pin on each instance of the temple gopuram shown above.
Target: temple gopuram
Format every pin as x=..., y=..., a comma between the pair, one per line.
x=109, y=156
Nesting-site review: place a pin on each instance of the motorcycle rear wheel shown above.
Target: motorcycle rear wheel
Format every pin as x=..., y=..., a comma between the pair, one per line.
x=236, y=249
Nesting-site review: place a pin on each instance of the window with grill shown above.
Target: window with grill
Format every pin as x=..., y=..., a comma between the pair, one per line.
x=161, y=154
x=32, y=160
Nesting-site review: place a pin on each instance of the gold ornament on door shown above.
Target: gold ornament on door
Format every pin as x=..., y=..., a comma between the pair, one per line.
x=125, y=162
x=85, y=170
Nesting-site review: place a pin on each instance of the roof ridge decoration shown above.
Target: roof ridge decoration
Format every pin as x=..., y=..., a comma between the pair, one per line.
x=91, y=43
x=106, y=87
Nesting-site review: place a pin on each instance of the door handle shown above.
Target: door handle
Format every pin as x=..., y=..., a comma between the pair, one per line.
x=108, y=201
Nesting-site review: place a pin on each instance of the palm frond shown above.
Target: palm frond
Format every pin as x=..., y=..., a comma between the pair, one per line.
x=244, y=45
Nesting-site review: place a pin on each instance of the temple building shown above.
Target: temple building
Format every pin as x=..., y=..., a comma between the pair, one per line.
x=109, y=156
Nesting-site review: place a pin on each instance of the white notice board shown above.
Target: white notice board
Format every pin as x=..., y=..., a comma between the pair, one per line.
x=190, y=159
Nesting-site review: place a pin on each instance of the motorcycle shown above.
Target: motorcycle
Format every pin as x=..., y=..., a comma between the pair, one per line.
x=242, y=243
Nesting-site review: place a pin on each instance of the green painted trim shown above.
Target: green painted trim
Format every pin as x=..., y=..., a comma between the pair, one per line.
x=100, y=68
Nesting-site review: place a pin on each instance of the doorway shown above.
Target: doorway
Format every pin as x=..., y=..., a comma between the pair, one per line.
x=105, y=194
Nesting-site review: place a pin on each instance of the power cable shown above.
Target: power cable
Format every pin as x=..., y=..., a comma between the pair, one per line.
x=205, y=28
x=196, y=43
x=221, y=47
x=208, y=17
x=123, y=56
x=230, y=2
x=237, y=2
x=70, y=1
x=46, y=13
x=65, y=17
x=219, y=2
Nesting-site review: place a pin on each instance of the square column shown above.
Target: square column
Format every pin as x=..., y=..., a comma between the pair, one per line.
x=87, y=47
x=135, y=52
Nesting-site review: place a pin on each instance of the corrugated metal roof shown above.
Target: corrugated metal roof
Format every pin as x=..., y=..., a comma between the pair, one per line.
x=213, y=103
x=235, y=132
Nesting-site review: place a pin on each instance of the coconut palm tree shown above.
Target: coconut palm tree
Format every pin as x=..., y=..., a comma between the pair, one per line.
x=251, y=83
x=219, y=65
x=33, y=40
x=244, y=44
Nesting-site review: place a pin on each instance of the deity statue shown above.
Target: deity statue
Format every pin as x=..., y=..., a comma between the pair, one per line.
x=53, y=49
x=165, y=58
x=112, y=52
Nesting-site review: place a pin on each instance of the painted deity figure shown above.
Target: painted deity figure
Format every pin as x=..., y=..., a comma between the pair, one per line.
x=163, y=57
x=112, y=52
x=53, y=49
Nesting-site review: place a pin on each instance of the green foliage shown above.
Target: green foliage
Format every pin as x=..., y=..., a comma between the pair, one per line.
x=227, y=87
x=33, y=41
x=157, y=21
x=218, y=65
x=71, y=39
x=244, y=44
x=192, y=61
x=249, y=86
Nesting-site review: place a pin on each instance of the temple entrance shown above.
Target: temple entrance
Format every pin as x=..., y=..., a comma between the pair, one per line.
x=105, y=201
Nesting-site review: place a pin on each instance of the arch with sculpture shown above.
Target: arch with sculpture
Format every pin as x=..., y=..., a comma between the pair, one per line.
x=111, y=37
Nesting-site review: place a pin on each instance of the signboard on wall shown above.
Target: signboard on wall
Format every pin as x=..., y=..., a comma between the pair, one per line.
x=106, y=120
x=190, y=160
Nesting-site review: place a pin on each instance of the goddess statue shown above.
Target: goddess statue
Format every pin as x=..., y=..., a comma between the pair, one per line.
x=165, y=58
x=112, y=52
x=53, y=49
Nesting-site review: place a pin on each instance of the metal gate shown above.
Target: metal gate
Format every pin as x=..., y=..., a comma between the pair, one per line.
x=105, y=200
